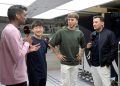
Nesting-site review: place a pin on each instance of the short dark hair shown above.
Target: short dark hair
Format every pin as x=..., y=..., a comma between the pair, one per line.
x=36, y=23
x=13, y=10
x=100, y=17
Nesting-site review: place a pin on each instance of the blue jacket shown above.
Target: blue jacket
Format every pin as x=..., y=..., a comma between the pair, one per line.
x=107, y=46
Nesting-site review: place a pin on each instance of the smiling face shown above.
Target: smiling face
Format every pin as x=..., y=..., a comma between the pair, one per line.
x=38, y=31
x=98, y=24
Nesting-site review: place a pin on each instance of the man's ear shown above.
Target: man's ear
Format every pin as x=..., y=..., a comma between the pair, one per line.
x=103, y=24
x=77, y=22
x=17, y=16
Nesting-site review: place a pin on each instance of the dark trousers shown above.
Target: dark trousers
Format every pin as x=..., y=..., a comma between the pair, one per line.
x=20, y=84
x=39, y=82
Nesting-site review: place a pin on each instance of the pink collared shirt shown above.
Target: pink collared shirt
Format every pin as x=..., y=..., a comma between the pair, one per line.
x=12, y=56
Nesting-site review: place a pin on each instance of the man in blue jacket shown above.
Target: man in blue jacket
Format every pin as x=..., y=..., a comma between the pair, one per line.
x=103, y=49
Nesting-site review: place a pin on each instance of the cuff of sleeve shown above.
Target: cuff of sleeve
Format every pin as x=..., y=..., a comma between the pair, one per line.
x=25, y=47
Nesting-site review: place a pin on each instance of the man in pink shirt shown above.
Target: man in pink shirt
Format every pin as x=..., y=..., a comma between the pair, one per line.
x=13, y=50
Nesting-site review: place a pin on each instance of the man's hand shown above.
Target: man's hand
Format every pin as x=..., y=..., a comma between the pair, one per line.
x=89, y=45
x=57, y=53
x=28, y=39
x=60, y=57
x=80, y=54
x=34, y=47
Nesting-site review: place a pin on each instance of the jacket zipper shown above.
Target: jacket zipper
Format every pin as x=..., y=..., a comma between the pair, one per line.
x=99, y=48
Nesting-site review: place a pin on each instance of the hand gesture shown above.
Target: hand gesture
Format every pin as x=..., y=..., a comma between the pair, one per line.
x=34, y=47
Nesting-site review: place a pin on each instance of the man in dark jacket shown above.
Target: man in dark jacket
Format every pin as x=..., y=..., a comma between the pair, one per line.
x=103, y=47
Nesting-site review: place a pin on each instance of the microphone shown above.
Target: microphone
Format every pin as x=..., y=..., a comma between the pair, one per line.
x=26, y=30
x=92, y=37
